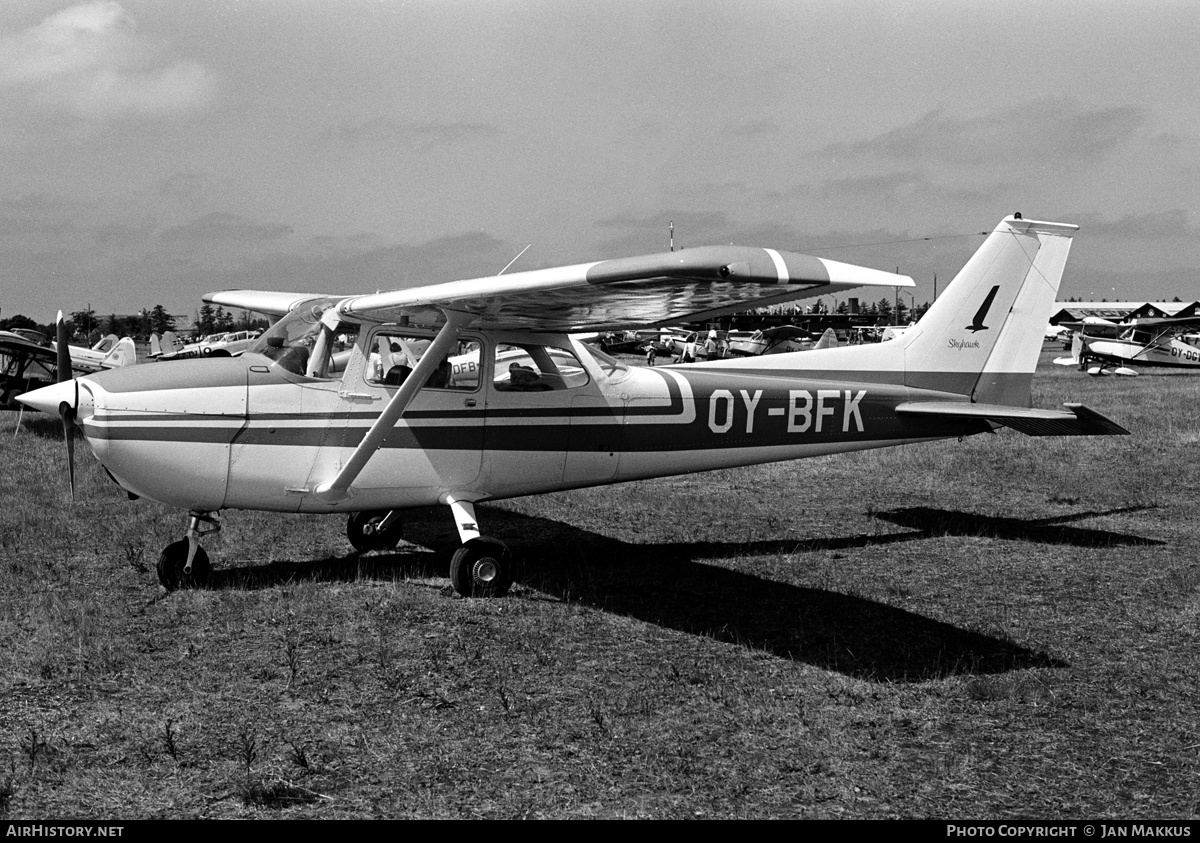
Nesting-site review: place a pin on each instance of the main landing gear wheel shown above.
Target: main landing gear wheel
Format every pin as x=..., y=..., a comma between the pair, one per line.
x=372, y=530
x=173, y=560
x=482, y=568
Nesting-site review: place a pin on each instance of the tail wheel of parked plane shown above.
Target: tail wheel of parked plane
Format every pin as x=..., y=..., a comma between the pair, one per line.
x=375, y=530
x=482, y=568
x=173, y=560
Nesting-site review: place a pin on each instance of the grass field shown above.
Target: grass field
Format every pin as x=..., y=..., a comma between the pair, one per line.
x=1001, y=627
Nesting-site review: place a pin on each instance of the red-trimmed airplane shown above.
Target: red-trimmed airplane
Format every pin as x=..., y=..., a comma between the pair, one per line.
x=475, y=390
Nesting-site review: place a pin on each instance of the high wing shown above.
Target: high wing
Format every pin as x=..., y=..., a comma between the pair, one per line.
x=14, y=344
x=610, y=295
x=267, y=302
x=1160, y=325
x=1166, y=323
x=659, y=289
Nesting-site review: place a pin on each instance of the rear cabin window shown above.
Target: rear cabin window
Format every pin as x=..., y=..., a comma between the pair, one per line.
x=531, y=367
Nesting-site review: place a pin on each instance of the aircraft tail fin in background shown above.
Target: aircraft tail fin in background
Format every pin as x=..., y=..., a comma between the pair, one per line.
x=167, y=345
x=828, y=340
x=982, y=337
x=122, y=354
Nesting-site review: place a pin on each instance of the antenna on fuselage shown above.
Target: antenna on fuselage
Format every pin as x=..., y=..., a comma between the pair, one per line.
x=672, y=239
x=514, y=260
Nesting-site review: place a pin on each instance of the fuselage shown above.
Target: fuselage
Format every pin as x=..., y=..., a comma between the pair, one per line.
x=1173, y=353
x=251, y=432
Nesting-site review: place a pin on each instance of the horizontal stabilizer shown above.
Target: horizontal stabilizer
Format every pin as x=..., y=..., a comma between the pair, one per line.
x=1080, y=421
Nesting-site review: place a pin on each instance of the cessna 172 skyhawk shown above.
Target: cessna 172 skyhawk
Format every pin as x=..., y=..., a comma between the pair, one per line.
x=492, y=397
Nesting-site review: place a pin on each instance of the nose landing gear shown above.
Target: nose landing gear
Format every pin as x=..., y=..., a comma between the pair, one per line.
x=377, y=530
x=184, y=564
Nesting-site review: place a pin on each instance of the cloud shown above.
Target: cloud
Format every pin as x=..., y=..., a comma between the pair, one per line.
x=225, y=228
x=659, y=221
x=765, y=128
x=1153, y=226
x=1060, y=127
x=90, y=61
x=421, y=136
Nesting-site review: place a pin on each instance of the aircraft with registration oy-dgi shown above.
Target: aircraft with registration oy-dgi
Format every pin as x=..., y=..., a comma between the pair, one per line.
x=1166, y=342
x=494, y=398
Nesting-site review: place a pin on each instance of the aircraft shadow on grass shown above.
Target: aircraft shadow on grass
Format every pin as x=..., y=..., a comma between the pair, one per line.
x=668, y=585
x=930, y=522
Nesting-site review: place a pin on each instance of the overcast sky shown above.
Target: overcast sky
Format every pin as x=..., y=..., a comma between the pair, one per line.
x=153, y=150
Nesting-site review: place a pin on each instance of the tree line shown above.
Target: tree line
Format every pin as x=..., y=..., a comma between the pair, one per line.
x=87, y=325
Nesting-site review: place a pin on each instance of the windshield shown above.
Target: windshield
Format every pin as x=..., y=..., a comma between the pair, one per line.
x=299, y=342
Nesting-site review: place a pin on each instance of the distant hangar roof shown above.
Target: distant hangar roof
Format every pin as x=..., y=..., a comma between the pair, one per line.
x=1120, y=311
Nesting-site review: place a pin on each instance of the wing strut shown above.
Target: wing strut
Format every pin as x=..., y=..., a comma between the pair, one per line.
x=338, y=489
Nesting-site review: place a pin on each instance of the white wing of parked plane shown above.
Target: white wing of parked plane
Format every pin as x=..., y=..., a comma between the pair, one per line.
x=664, y=288
x=659, y=289
x=267, y=302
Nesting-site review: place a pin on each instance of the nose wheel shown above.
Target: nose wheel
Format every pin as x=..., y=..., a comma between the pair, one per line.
x=376, y=530
x=174, y=572
x=184, y=564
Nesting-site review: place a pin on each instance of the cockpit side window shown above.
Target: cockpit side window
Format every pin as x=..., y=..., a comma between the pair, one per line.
x=394, y=355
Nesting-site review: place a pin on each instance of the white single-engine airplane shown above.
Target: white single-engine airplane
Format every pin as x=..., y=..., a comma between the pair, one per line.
x=1168, y=342
x=296, y=425
x=229, y=344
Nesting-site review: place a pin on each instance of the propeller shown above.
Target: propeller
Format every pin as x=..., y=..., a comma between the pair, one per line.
x=65, y=410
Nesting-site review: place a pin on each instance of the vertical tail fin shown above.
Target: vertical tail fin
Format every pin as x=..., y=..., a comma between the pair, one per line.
x=122, y=354
x=828, y=340
x=982, y=337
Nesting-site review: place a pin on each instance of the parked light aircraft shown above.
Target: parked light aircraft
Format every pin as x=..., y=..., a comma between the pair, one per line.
x=293, y=425
x=1166, y=342
x=779, y=340
x=29, y=361
x=229, y=344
